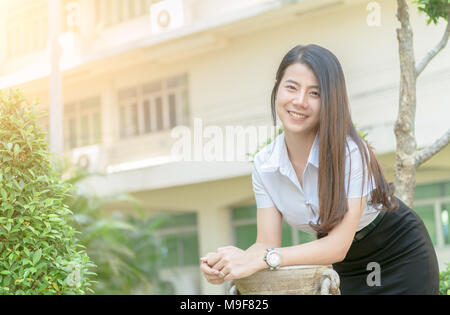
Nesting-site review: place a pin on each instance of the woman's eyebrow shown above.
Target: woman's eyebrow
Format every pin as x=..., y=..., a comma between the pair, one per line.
x=296, y=83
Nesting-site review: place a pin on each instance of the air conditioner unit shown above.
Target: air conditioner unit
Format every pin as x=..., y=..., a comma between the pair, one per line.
x=166, y=15
x=88, y=158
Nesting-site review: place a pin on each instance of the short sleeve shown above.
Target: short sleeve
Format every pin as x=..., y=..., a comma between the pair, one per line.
x=262, y=198
x=354, y=171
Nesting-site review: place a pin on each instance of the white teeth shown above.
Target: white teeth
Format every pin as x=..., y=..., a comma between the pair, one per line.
x=297, y=115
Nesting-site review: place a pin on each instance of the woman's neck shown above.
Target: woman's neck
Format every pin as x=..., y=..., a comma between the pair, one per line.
x=299, y=146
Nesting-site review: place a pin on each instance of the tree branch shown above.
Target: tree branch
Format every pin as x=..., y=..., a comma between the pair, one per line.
x=424, y=155
x=433, y=52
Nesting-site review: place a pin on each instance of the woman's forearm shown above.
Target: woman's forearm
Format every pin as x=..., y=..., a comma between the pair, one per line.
x=324, y=251
x=257, y=252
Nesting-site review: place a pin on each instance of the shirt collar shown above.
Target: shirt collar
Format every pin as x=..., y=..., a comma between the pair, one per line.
x=279, y=159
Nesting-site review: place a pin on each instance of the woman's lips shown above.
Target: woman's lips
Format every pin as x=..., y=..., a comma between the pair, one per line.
x=297, y=118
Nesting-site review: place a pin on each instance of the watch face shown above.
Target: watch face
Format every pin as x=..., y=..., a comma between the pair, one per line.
x=274, y=259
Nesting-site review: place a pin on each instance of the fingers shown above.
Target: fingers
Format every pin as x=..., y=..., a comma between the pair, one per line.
x=207, y=270
x=213, y=258
x=220, y=264
x=211, y=275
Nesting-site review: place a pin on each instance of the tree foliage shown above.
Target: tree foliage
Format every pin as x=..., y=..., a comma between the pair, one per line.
x=434, y=9
x=39, y=251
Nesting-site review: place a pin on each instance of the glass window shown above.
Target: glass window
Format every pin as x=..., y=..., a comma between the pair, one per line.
x=286, y=235
x=159, y=114
x=153, y=87
x=445, y=212
x=427, y=215
x=123, y=124
x=427, y=191
x=119, y=11
x=247, y=212
x=189, y=243
x=162, y=107
x=145, y=6
x=245, y=235
x=134, y=127
x=98, y=11
x=177, y=81
x=304, y=237
x=172, y=111
x=170, y=243
x=447, y=189
x=84, y=130
x=180, y=240
x=147, y=116
x=72, y=133
x=131, y=8
x=180, y=220
x=97, y=128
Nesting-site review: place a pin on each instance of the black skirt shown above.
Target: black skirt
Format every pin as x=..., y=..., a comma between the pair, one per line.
x=397, y=257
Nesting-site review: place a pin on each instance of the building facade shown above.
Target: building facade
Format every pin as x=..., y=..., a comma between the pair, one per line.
x=137, y=74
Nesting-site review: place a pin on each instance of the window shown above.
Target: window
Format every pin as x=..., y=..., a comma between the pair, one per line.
x=427, y=215
x=82, y=123
x=432, y=204
x=155, y=106
x=26, y=31
x=112, y=12
x=179, y=239
x=445, y=212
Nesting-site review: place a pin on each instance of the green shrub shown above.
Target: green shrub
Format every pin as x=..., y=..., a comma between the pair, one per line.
x=444, y=281
x=39, y=252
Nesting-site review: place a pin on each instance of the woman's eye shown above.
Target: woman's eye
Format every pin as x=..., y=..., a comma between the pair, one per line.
x=290, y=87
x=315, y=93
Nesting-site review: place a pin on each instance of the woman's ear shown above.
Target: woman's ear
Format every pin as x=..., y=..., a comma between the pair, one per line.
x=275, y=83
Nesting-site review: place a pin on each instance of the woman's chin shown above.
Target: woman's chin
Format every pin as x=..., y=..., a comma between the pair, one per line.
x=292, y=128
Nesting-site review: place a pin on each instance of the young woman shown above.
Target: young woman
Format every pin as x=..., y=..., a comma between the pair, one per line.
x=323, y=178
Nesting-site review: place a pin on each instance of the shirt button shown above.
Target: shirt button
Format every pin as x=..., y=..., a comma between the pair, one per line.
x=307, y=202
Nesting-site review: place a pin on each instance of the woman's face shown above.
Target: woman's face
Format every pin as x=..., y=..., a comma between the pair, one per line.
x=299, y=94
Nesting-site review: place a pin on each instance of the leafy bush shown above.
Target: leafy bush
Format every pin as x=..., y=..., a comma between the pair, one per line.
x=444, y=281
x=39, y=253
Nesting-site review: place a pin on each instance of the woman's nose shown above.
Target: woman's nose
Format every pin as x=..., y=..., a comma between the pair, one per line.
x=299, y=99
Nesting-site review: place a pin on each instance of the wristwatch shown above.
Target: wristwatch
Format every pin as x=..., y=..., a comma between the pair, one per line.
x=273, y=258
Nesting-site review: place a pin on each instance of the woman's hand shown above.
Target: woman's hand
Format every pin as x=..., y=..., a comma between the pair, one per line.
x=210, y=274
x=230, y=263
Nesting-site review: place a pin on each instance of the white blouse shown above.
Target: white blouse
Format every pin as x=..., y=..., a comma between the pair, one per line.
x=275, y=183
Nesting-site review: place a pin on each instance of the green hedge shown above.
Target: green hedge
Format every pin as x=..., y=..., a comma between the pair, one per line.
x=39, y=253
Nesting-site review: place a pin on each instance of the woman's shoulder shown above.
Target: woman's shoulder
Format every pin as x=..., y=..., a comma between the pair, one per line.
x=266, y=152
x=352, y=146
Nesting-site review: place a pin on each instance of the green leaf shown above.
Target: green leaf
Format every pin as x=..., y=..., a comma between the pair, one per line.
x=37, y=256
x=16, y=149
x=3, y=193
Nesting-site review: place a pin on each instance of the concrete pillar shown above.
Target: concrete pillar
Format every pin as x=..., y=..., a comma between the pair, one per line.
x=56, y=93
x=214, y=230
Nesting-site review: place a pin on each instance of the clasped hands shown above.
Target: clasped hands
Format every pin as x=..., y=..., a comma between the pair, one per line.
x=229, y=263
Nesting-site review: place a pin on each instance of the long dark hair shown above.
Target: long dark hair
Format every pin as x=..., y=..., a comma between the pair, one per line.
x=334, y=127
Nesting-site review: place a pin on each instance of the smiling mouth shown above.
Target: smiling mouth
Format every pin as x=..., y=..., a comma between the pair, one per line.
x=297, y=116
